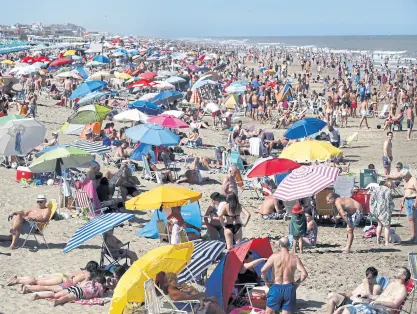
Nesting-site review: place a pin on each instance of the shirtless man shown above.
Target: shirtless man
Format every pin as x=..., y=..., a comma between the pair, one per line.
x=67, y=90
x=268, y=206
x=21, y=220
x=368, y=287
x=410, y=201
x=122, y=152
x=255, y=105
x=229, y=182
x=282, y=292
x=387, y=157
x=391, y=298
x=350, y=211
x=363, y=109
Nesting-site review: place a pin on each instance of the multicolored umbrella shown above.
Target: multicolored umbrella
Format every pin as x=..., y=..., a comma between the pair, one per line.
x=168, y=121
x=305, y=181
x=272, y=166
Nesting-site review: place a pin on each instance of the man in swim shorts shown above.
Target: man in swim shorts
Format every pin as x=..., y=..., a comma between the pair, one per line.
x=282, y=292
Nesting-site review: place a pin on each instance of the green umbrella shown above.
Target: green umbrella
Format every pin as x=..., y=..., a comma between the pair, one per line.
x=89, y=114
x=60, y=158
x=5, y=119
x=63, y=69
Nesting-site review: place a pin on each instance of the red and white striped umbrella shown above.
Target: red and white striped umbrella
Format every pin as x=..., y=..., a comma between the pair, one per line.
x=305, y=181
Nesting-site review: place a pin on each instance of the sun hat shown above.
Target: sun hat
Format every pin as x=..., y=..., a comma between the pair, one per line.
x=41, y=197
x=297, y=209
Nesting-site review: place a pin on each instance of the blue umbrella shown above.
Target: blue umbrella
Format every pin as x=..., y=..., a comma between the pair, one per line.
x=96, y=226
x=255, y=83
x=87, y=87
x=152, y=134
x=203, y=69
x=167, y=97
x=304, y=128
x=102, y=59
x=122, y=51
x=82, y=72
x=93, y=97
x=261, y=69
x=146, y=107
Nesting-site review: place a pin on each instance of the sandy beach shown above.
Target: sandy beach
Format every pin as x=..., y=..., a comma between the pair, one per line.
x=328, y=269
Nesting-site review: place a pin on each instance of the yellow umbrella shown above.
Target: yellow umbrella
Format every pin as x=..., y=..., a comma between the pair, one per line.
x=232, y=102
x=9, y=62
x=170, y=258
x=123, y=76
x=167, y=196
x=69, y=53
x=308, y=151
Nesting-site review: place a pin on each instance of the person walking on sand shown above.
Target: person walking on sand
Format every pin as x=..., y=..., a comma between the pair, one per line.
x=282, y=292
x=364, y=112
x=350, y=211
x=387, y=157
x=409, y=202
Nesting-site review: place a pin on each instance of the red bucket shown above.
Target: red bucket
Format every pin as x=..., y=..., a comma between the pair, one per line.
x=362, y=197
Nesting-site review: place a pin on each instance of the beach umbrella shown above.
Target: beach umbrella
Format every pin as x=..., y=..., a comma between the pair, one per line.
x=82, y=72
x=148, y=75
x=130, y=288
x=272, y=166
x=305, y=181
x=60, y=62
x=101, y=75
x=165, y=196
x=205, y=253
x=235, y=89
x=87, y=87
x=93, y=148
x=270, y=72
x=166, y=73
x=94, y=64
x=8, y=62
x=5, y=119
x=304, y=128
x=152, y=134
x=168, y=121
x=123, y=76
x=175, y=80
x=148, y=97
x=178, y=56
x=60, y=158
x=311, y=150
x=28, y=60
x=94, y=227
x=63, y=69
x=146, y=107
x=94, y=96
x=89, y=114
x=176, y=113
x=141, y=83
x=70, y=52
x=167, y=97
x=20, y=136
x=102, y=59
x=122, y=51
x=72, y=74
x=131, y=115
x=163, y=85
x=202, y=69
x=43, y=59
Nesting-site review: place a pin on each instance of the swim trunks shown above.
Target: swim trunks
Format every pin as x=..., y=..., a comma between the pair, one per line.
x=365, y=309
x=386, y=162
x=282, y=297
x=356, y=218
x=410, y=210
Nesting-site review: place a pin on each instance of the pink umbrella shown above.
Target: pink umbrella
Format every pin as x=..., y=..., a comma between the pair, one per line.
x=306, y=181
x=148, y=75
x=168, y=121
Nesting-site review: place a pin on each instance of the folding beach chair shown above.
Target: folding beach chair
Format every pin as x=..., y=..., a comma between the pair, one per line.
x=38, y=228
x=148, y=174
x=246, y=185
x=350, y=139
x=107, y=259
x=163, y=231
x=366, y=177
x=154, y=304
x=85, y=206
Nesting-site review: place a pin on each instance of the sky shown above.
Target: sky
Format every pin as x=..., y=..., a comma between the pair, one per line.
x=204, y=18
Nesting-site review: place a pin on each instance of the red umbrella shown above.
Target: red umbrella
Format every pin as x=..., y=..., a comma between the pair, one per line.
x=148, y=75
x=305, y=181
x=271, y=166
x=60, y=62
x=168, y=121
x=28, y=59
x=142, y=83
x=42, y=59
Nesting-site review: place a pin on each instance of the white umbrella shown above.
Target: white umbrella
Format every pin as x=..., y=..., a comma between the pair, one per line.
x=176, y=113
x=148, y=97
x=164, y=85
x=100, y=74
x=72, y=74
x=131, y=115
x=212, y=107
x=175, y=80
x=20, y=136
x=94, y=64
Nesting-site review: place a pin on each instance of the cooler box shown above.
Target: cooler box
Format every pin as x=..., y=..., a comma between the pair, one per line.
x=23, y=173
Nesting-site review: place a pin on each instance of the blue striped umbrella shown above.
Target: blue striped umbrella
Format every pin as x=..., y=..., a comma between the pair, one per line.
x=94, y=227
x=204, y=254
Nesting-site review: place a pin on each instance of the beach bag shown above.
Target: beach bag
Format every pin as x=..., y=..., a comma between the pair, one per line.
x=370, y=233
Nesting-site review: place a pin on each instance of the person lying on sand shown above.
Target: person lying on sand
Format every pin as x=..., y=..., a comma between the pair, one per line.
x=388, y=302
x=368, y=287
x=22, y=221
x=88, y=289
x=55, y=279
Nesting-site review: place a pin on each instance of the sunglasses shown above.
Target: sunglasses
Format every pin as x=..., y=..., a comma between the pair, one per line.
x=40, y=202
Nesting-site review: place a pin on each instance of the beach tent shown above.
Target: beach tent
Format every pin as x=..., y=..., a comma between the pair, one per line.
x=285, y=93
x=222, y=280
x=190, y=212
x=232, y=102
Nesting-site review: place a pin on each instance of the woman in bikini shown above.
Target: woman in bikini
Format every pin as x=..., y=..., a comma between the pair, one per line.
x=54, y=282
x=230, y=219
x=211, y=218
x=329, y=110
